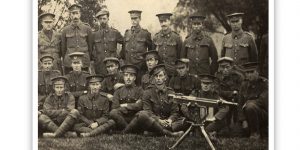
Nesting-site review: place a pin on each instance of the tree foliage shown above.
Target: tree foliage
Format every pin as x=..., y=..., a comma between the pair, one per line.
x=255, y=18
x=60, y=7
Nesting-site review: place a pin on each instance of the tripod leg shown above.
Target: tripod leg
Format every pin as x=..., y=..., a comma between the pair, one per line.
x=182, y=137
x=206, y=137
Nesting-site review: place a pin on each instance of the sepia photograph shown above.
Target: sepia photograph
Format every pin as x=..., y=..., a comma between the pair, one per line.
x=152, y=74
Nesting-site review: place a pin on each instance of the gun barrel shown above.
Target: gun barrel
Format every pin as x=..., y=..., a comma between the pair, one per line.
x=200, y=101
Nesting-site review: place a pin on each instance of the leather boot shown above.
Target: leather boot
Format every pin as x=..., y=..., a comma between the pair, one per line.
x=101, y=129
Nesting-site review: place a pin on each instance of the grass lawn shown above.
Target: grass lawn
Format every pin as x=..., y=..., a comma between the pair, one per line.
x=139, y=142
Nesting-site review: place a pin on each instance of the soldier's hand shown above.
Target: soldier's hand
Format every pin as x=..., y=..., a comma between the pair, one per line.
x=124, y=105
x=211, y=119
x=94, y=125
x=109, y=96
x=169, y=122
x=163, y=122
x=245, y=124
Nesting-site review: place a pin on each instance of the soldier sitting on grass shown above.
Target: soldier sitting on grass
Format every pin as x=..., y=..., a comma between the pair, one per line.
x=59, y=109
x=94, y=109
x=160, y=114
x=127, y=99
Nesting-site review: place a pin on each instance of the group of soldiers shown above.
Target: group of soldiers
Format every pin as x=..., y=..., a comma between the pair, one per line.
x=87, y=88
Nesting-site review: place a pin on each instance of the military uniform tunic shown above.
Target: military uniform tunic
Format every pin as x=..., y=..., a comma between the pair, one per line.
x=146, y=80
x=109, y=82
x=137, y=42
x=45, y=85
x=77, y=38
x=202, y=53
x=157, y=103
x=255, y=103
x=130, y=95
x=77, y=82
x=184, y=85
x=58, y=107
x=50, y=44
x=239, y=46
x=105, y=42
x=229, y=83
x=168, y=44
x=93, y=108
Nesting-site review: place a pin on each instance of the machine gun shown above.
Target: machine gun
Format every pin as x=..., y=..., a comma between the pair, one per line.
x=197, y=102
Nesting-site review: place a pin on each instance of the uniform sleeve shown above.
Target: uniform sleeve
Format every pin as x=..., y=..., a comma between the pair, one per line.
x=81, y=110
x=214, y=57
x=90, y=41
x=146, y=101
x=63, y=43
x=149, y=41
x=138, y=105
x=263, y=99
x=174, y=110
x=116, y=100
x=172, y=82
x=49, y=109
x=120, y=40
x=179, y=46
x=93, y=50
x=183, y=50
x=71, y=102
x=123, y=49
x=104, y=117
x=223, y=50
x=222, y=112
x=253, y=50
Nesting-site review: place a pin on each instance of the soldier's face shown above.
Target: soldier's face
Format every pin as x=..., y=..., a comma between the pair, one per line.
x=75, y=16
x=151, y=62
x=251, y=75
x=47, y=24
x=225, y=68
x=182, y=70
x=95, y=87
x=59, y=89
x=197, y=26
x=206, y=86
x=103, y=20
x=112, y=69
x=160, y=78
x=165, y=24
x=135, y=21
x=77, y=66
x=47, y=65
x=235, y=23
x=129, y=78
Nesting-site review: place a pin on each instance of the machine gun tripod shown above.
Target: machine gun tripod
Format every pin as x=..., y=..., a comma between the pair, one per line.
x=198, y=122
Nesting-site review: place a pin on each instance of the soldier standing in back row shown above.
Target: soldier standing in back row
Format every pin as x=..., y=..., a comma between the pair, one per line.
x=76, y=37
x=137, y=41
x=200, y=49
x=168, y=43
x=49, y=40
x=238, y=44
x=105, y=42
